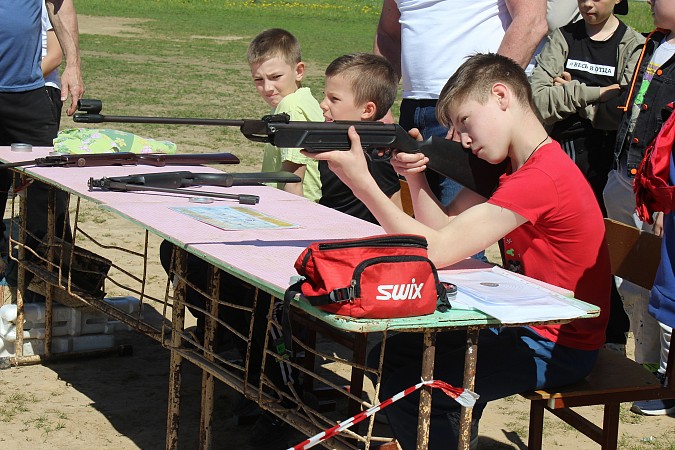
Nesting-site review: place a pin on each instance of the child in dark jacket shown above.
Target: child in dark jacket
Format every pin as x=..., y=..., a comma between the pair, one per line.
x=652, y=88
x=576, y=86
x=577, y=82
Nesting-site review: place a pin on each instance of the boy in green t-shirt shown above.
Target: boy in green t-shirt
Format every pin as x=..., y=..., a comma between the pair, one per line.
x=277, y=70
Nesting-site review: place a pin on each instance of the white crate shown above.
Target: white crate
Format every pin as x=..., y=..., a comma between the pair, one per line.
x=65, y=321
x=73, y=329
x=95, y=322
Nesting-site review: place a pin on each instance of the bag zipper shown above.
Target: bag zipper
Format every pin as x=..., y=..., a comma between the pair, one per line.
x=377, y=241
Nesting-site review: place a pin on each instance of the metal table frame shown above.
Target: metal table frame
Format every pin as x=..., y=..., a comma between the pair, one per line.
x=174, y=340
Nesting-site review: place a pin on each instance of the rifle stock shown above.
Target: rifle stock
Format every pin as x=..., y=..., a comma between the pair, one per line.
x=446, y=157
x=453, y=161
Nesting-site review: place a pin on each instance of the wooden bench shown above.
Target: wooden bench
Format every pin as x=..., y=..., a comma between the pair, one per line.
x=615, y=378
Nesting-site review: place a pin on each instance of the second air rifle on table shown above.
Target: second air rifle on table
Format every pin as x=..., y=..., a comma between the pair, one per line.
x=126, y=159
x=446, y=157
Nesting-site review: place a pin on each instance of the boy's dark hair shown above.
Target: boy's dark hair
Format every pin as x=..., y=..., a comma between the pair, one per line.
x=372, y=79
x=474, y=79
x=274, y=42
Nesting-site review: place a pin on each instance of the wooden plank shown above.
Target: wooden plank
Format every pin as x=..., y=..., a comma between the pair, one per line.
x=634, y=255
x=603, y=379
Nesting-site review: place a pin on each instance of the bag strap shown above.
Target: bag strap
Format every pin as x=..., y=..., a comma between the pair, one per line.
x=293, y=290
x=336, y=296
x=442, y=303
x=339, y=295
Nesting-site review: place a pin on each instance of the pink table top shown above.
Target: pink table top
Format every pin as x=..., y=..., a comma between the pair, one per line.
x=261, y=257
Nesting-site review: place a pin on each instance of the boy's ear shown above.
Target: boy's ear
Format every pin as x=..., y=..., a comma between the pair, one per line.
x=369, y=111
x=502, y=95
x=299, y=71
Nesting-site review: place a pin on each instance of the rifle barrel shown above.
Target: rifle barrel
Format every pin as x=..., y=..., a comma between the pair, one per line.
x=16, y=164
x=243, y=179
x=245, y=199
x=99, y=118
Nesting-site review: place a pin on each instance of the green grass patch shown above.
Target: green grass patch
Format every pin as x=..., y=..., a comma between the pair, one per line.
x=187, y=58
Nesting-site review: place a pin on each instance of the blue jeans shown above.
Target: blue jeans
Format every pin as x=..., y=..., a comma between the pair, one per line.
x=510, y=360
x=421, y=114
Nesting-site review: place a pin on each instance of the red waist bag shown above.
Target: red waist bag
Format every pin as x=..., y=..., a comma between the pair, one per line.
x=376, y=277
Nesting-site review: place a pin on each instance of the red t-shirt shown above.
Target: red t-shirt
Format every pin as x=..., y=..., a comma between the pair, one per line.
x=563, y=242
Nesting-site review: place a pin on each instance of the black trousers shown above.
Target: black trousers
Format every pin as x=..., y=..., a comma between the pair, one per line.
x=593, y=153
x=32, y=117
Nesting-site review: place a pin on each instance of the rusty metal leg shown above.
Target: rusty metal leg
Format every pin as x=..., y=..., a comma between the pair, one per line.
x=425, y=394
x=206, y=419
x=469, y=383
x=177, y=326
x=49, y=288
x=208, y=380
x=21, y=280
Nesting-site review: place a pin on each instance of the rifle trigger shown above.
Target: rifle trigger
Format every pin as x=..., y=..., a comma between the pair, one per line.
x=379, y=154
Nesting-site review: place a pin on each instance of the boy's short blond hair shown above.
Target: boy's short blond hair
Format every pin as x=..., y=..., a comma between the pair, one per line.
x=274, y=43
x=474, y=79
x=372, y=79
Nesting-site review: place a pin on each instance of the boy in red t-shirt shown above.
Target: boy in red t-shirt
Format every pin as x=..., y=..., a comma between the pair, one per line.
x=542, y=208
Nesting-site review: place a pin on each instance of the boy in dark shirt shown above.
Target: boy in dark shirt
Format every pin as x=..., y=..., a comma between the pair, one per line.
x=359, y=87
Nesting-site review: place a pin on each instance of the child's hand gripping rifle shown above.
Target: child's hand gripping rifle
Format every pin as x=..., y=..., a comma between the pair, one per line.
x=446, y=157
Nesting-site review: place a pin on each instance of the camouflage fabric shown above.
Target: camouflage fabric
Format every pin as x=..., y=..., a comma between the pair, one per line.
x=93, y=140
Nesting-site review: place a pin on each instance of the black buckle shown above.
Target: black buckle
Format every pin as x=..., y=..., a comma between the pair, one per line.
x=340, y=295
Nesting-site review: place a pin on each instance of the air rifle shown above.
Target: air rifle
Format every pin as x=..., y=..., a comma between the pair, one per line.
x=126, y=159
x=446, y=157
x=172, y=182
x=181, y=179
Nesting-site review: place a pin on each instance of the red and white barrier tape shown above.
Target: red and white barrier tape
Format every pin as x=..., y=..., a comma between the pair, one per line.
x=463, y=397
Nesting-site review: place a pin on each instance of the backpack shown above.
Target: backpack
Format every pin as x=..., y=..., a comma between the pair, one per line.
x=652, y=191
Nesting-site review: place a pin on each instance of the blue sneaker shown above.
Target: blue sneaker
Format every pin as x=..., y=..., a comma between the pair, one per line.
x=654, y=407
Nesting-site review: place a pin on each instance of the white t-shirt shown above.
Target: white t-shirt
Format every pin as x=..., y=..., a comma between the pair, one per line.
x=558, y=14
x=51, y=79
x=438, y=35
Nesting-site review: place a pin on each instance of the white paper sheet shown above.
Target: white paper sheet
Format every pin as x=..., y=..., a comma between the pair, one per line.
x=509, y=298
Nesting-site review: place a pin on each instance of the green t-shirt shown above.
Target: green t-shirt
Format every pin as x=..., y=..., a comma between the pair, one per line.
x=300, y=106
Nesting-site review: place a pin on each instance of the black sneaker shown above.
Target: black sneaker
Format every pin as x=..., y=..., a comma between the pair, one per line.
x=270, y=433
x=246, y=411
